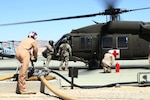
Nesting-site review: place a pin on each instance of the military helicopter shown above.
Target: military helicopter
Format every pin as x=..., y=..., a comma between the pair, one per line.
x=125, y=39
x=8, y=51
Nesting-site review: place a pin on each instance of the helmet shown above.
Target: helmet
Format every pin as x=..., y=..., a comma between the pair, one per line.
x=109, y=51
x=64, y=41
x=32, y=34
x=51, y=42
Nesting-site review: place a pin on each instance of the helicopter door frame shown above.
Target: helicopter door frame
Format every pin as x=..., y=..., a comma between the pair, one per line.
x=86, y=43
x=121, y=42
x=106, y=43
x=124, y=44
x=82, y=44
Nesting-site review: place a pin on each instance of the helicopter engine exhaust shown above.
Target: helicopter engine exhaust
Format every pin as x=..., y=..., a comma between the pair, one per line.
x=128, y=27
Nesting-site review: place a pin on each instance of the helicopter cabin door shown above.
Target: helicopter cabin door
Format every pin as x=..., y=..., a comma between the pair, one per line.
x=119, y=44
x=82, y=45
x=124, y=45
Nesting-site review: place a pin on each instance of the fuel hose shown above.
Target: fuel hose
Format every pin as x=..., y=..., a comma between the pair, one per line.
x=59, y=93
x=56, y=91
x=7, y=77
x=48, y=85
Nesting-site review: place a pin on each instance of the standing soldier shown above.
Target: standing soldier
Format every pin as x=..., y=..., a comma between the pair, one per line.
x=50, y=52
x=107, y=62
x=26, y=51
x=64, y=52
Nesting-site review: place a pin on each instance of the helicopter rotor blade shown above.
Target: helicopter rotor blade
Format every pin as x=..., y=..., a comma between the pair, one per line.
x=3, y=42
x=113, y=12
x=123, y=11
x=54, y=19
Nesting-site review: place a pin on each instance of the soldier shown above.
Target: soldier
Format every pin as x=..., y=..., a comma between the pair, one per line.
x=26, y=51
x=107, y=61
x=50, y=52
x=64, y=52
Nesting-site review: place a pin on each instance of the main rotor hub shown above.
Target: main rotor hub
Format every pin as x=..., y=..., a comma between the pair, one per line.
x=112, y=11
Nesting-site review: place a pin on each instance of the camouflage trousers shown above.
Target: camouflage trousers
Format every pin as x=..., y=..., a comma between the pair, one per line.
x=48, y=59
x=106, y=68
x=64, y=59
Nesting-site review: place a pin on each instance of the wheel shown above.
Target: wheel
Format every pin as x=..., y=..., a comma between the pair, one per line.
x=94, y=64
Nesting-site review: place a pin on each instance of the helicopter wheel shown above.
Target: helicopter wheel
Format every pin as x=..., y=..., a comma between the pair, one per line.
x=94, y=64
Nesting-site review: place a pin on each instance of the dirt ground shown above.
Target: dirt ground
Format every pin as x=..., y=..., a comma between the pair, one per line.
x=112, y=93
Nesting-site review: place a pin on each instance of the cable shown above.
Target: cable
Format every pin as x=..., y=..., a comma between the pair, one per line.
x=90, y=87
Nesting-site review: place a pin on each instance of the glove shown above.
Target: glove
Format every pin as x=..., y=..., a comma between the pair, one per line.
x=57, y=54
x=33, y=59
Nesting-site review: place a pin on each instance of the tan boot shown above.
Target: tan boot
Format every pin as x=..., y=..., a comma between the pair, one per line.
x=60, y=69
x=28, y=92
x=105, y=69
x=109, y=70
x=66, y=68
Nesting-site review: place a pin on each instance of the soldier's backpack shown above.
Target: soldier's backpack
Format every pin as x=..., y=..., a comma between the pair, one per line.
x=64, y=49
x=44, y=53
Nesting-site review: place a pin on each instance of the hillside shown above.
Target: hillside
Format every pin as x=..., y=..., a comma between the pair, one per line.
x=41, y=45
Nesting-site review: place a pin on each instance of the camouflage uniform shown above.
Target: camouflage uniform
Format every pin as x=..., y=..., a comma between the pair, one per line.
x=64, y=52
x=50, y=52
x=23, y=54
x=107, y=61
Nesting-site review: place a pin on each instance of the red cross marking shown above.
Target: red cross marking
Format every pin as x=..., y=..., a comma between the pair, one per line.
x=115, y=53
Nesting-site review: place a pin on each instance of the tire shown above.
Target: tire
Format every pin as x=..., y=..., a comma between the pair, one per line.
x=94, y=64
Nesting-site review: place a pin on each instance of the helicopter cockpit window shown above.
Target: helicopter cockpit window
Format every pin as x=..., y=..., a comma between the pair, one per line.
x=122, y=42
x=107, y=42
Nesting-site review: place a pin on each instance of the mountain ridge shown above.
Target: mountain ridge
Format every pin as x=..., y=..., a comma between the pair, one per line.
x=41, y=45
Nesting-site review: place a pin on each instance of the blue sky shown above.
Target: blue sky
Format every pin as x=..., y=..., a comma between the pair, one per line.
x=28, y=10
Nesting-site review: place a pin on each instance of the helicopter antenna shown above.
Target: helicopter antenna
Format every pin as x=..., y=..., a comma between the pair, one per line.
x=95, y=22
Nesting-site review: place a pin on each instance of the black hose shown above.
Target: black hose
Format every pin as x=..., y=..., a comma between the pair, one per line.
x=91, y=87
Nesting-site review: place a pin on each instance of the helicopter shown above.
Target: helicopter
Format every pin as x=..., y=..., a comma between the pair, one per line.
x=9, y=51
x=125, y=39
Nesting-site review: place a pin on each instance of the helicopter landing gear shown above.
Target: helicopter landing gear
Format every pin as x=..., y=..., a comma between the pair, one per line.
x=94, y=64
